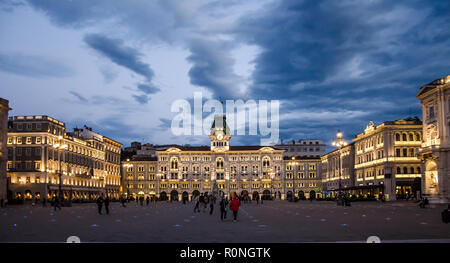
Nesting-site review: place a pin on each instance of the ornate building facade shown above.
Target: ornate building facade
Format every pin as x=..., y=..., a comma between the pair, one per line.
x=386, y=160
x=41, y=154
x=338, y=171
x=4, y=109
x=435, y=151
x=185, y=171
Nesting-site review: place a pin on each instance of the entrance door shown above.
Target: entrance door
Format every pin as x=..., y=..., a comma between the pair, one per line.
x=174, y=195
x=266, y=195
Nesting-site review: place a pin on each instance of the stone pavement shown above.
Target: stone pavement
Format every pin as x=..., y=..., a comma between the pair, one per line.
x=272, y=222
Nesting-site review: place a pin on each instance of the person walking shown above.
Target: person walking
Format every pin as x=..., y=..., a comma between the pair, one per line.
x=107, y=200
x=234, y=205
x=205, y=203
x=211, y=205
x=223, y=208
x=100, y=204
x=56, y=203
x=148, y=200
x=197, y=204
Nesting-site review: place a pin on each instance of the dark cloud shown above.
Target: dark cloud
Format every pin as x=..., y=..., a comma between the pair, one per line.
x=78, y=96
x=148, y=89
x=346, y=56
x=212, y=68
x=33, y=66
x=141, y=99
x=9, y=5
x=117, y=52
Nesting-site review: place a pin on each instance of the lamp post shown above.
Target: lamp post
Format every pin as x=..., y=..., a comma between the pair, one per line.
x=60, y=146
x=339, y=142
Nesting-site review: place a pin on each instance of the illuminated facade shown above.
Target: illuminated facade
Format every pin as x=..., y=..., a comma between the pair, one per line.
x=386, y=160
x=343, y=159
x=39, y=148
x=4, y=108
x=435, y=151
x=184, y=171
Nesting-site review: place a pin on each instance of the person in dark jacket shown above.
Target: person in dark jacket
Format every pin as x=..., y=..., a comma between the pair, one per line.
x=234, y=205
x=107, y=204
x=147, y=200
x=223, y=208
x=211, y=205
x=100, y=204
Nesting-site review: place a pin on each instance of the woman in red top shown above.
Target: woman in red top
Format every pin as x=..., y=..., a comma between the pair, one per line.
x=234, y=205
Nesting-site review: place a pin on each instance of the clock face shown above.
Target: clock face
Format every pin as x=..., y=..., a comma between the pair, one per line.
x=219, y=136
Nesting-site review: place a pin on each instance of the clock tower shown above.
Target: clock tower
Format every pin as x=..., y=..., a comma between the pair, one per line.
x=220, y=134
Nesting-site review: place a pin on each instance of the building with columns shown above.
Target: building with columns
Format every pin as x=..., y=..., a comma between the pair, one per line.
x=4, y=109
x=435, y=150
x=185, y=171
x=41, y=154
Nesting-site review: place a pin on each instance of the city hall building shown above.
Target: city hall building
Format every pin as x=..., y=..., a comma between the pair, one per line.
x=186, y=171
x=41, y=155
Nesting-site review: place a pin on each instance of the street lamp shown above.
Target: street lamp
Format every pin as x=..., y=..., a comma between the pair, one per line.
x=339, y=142
x=60, y=146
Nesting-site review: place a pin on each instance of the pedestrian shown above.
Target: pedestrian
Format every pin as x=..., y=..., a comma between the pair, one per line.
x=56, y=203
x=100, y=204
x=148, y=200
x=234, y=205
x=223, y=208
x=141, y=200
x=205, y=203
x=197, y=203
x=211, y=205
x=107, y=204
x=257, y=199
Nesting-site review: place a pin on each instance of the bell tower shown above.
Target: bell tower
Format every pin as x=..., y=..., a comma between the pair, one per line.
x=220, y=134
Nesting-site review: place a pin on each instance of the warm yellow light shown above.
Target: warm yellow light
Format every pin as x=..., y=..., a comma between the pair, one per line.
x=60, y=137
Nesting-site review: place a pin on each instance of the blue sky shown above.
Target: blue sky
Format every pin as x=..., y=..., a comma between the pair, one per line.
x=118, y=65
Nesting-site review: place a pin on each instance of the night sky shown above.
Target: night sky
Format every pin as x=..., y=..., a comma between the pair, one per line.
x=117, y=65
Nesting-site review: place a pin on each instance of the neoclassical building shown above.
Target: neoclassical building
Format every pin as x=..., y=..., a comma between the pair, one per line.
x=386, y=160
x=185, y=171
x=4, y=109
x=435, y=151
x=40, y=152
x=338, y=171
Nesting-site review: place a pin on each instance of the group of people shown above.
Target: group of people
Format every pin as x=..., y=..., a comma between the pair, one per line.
x=103, y=201
x=202, y=201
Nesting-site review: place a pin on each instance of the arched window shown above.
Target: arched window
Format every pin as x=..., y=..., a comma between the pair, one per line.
x=397, y=152
x=219, y=163
x=174, y=163
x=411, y=137
x=397, y=137
x=266, y=162
x=405, y=170
x=418, y=170
x=405, y=152
x=399, y=171
x=418, y=138
x=412, y=170
x=404, y=136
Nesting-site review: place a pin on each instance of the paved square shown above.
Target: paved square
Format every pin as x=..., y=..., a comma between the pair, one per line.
x=274, y=221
